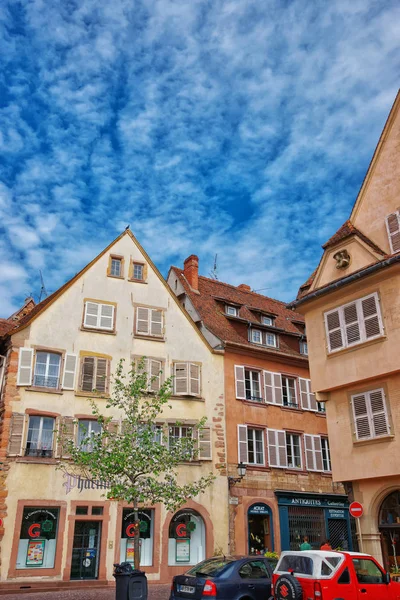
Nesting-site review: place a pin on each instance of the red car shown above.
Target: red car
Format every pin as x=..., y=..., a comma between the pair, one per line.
x=329, y=575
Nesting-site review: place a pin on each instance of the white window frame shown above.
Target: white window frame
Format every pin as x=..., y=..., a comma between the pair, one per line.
x=269, y=334
x=230, y=310
x=140, y=266
x=188, y=378
x=252, y=394
x=277, y=434
x=150, y=320
x=360, y=322
x=118, y=261
x=326, y=454
x=254, y=334
x=39, y=441
x=252, y=431
x=370, y=415
x=315, y=448
x=88, y=433
x=180, y=437
x=304, y=348
x=284, y=379
x=267, y=320
x=47, y=367
x=291, y=436
x=99, y=316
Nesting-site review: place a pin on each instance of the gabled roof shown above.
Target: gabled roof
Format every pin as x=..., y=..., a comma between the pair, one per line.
x=209, y=303
x=347, y=230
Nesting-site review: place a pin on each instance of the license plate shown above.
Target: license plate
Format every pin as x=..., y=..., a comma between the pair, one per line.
x=187, y=589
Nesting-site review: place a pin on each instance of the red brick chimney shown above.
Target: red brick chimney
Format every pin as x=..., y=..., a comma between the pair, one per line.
x=191, y=271
x=244, y=287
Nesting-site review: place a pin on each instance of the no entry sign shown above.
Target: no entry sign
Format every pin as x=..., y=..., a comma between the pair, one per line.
x=356, y=510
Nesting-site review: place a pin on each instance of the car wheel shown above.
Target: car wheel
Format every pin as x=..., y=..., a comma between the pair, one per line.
x=288, y=587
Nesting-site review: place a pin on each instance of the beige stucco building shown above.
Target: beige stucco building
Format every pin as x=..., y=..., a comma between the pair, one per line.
x=351, y=305
x=57, y=528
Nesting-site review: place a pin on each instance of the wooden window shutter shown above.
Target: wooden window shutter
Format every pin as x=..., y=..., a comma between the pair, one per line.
x=101, y=374
x=69, y=372
x=154, y=370
x=107, y=316
x=276, y=440
x=88, y=371
x=333, y=330
x=239, y=383
x=371, y=316
x=156, y=325
x=351, y=323
x=273, y=387
x=142, y=321
x=393, y=229
x=361, y=418
x=379, y=414
x=277, y=379
x=204, y=444
x=25, y=366
x=91, y=314
x=16, y=434
x=243, y=455
x=309, y=450
x=281, y=439
x=2, y=371
x=66, y=433
x=304, y=396
x=194, y=372
x=181, y=379
x=319, y=465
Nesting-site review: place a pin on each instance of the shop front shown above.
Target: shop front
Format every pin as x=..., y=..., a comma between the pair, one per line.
x=260, y=532
x=389, y=527
x=318, y=516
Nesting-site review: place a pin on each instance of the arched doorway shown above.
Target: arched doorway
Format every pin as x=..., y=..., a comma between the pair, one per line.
x=389, y=526
x=187, y=538
x=261, y=532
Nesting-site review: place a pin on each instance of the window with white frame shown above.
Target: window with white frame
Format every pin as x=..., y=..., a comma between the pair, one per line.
x=293, y=450
x=354, y=323
x=289, y=393
x=252, y=385
x=115, y=266
x=251, y=445
x=326, y=454
x=187, y=379
x=321, y=408
x=39, y=441
x=370, y=414
x=99, y=316
x=153, y=367
x=267, y=320
x=230, y=310
x=271, y=340
x=94, y=374
x=138, y=271
x=304, y=348
x=47, y=370
x=177, y=435
x=393, y=229
x=256, y=336
x=87, y=429
x=307, y=397
x=149, y=322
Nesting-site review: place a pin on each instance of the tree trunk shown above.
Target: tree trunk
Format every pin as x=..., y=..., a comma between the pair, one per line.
x=136, y=545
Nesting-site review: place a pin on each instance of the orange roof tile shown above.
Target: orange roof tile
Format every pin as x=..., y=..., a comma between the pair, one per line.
x=345, y=231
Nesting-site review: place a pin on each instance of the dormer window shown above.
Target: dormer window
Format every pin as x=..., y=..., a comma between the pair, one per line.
x=304, y=348
x=264, y=338
x=230, y=310
x=256, y=336
x=267, y=320
x=271, y=340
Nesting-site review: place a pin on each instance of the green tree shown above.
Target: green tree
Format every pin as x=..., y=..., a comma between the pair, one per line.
x=134, y=457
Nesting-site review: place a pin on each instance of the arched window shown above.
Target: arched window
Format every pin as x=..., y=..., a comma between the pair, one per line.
x=390, y=510
x=187, y=538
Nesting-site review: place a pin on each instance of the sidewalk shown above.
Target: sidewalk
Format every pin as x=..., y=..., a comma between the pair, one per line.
x=156, y=592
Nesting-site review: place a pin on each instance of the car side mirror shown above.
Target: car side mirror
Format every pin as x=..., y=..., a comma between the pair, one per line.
x=386, y=577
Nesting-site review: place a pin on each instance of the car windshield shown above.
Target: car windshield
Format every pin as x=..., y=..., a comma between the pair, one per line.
x=296, y=564
x=210, y=568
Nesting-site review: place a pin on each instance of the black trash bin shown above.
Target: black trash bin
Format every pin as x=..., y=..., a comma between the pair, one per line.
x=130, y=584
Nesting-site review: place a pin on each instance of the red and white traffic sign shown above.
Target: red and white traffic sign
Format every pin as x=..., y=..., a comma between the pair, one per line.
x=356, y=510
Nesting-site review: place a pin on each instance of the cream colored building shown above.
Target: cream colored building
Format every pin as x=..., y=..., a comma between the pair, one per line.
x=57, y=528
x=351, y=305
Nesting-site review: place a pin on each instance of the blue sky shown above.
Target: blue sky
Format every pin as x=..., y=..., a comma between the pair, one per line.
x=241, y=128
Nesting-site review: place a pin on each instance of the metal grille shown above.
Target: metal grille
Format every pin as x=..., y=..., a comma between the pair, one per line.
x=338, y=533
x=306, y=521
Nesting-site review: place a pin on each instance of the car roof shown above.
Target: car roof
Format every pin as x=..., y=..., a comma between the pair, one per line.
x=320, y=553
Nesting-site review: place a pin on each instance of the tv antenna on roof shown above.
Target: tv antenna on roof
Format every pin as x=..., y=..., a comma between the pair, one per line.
x=214, y=270
x=43, y=291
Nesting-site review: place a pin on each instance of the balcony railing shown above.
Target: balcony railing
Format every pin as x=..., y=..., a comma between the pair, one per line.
x=290, y=404
x=254, y=398
x=47, y=382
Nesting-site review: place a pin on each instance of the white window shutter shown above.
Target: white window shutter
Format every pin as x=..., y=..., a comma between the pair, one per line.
x=276, y=440
x=142, y=321
x=351, y=323
x=69, y=372
x=304, y=397
x=154, y=371
x=106, y=316
x=282, y=454
x=181, y=379
x=277, y=379
x=25, y=366
x=2, y=370
x=243, y=455
x=91, y=314
x=18, y=424
x=333, y=330
x=380, y=419
x=309, y=448
x=319, y=465
x=204, y=443
x=194, y=379
x=239, y=382
x=156, y=324
x=371, y=316
x=273, y=387
x=393, y=229
x=311, y=398
x=361, y=418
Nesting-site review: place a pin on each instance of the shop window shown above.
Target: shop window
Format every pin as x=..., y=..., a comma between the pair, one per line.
x=38, y=538
x=146, y=536
x=187, y=539
x=97, y=510
x=39, y=441
x=82, y=510
x=261, y=539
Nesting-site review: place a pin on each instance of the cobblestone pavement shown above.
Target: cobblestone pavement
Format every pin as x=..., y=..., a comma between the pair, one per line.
x=156, y=592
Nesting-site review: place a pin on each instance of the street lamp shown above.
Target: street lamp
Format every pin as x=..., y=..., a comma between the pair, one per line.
x=241, y=472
